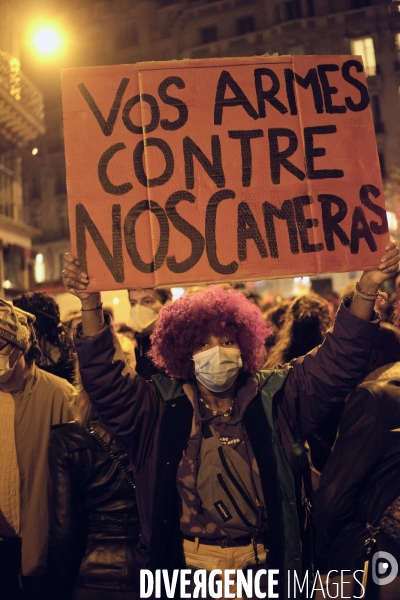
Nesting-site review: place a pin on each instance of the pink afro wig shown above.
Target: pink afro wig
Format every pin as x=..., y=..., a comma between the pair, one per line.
x=184, y=324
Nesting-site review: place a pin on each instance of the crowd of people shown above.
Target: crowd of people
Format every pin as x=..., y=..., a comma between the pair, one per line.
x=205, y=433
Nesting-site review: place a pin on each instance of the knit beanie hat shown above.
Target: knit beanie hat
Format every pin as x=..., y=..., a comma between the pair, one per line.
x=15, y=324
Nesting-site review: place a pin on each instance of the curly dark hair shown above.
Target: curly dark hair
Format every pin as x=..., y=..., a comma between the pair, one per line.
x=56, y=345
x=306, y=321
x=183, y=325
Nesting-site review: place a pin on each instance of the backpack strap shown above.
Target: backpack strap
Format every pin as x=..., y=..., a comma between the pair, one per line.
x=255, y=422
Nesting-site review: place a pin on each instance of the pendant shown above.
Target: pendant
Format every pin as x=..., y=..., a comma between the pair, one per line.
x=226, y=417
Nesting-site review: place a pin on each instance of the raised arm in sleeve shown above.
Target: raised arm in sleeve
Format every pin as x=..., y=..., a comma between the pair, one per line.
x=130, y=407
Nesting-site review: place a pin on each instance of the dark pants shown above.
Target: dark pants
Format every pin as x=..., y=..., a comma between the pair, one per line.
x=12, y=585
x=35, y=588
x=10, y=565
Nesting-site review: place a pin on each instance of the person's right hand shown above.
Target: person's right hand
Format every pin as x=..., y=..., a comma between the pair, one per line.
x=74, y=279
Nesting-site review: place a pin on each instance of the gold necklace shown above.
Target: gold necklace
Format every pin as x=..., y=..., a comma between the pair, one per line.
x=220, y=413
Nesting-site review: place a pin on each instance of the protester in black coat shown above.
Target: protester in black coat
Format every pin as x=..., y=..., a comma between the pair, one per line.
x=94, y=525
x=362, y=479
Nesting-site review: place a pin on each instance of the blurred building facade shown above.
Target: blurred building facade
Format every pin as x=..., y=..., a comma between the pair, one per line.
x=126, y=31
x=21, y=122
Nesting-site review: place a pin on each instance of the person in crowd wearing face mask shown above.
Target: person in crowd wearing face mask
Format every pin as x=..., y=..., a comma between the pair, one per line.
x=215, y=443
x=31, y=401
x=145, y=304
x=54, y=339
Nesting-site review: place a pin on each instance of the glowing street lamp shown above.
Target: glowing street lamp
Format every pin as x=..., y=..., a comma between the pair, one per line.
x=47, y=40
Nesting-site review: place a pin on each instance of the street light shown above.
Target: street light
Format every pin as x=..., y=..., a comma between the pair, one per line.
x=47, y=40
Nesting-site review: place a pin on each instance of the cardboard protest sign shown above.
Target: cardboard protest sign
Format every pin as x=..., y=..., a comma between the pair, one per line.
x=193, y=171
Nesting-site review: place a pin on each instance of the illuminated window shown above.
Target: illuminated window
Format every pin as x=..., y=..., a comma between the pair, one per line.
x=392, y=222
x=364, y=47
x=177, y=292
x=397, y=41
x=40, y=271
x=395, y=6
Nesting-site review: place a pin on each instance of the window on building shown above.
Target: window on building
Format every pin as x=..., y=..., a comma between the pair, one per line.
x=126, y=38
x=14, y=263
x=40, y=270
x=6, y=189
x=208, y=35
x=293, y=10
x=296, y=50
x=310, y=8
x=63, y=218
x=382, y=164
x=35, y=189
x=60, y=186
x=364, y=47
x=360, y=3
x=245, y=25
x=36, y=218
x=397, y=42
x=376, y=113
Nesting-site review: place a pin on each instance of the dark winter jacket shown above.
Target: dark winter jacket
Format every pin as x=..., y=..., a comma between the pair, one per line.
x=362, y=476
x=153, y=421
x=94, y=525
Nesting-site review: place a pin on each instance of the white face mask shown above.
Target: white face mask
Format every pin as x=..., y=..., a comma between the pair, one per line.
x=5, y=369
x=142, y=319
x=217, y=368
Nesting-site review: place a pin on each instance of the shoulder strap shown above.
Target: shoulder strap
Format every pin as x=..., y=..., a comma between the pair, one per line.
x=111, y=452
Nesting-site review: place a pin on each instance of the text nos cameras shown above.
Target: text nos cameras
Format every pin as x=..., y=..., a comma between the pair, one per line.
x=290, y=214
